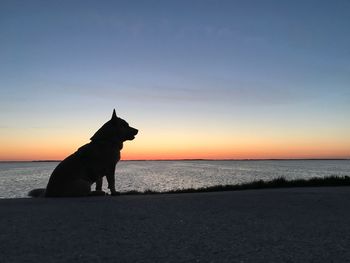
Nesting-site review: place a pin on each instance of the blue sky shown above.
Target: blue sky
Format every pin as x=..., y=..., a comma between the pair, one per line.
x=231, y=64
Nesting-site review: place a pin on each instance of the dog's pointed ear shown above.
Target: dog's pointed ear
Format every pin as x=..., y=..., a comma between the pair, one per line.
x=114, y=115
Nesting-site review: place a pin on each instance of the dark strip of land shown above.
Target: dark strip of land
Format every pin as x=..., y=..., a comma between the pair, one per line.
x=259, y=184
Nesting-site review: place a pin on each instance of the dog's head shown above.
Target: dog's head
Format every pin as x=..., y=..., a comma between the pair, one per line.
x=115, y=130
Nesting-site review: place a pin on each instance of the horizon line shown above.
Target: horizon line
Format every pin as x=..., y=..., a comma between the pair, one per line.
x=196, y=159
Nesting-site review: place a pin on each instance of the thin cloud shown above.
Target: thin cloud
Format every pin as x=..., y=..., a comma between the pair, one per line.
x=236, y=96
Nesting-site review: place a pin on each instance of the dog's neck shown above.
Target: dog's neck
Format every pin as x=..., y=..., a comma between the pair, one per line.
x=113, y=144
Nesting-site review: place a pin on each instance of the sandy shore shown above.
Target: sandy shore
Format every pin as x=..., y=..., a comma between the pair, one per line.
x=276, y=225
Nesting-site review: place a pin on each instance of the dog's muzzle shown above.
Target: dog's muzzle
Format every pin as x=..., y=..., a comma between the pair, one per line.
x=133, y=133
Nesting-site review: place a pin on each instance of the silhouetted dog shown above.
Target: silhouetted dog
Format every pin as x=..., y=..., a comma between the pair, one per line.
x=90, y=163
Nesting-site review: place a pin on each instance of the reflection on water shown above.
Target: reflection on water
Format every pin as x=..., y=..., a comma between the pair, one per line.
x=16, y=179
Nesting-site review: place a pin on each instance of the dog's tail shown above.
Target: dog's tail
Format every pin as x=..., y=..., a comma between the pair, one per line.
x=39, y=192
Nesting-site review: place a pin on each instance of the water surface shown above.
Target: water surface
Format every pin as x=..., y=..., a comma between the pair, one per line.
x=17, y=178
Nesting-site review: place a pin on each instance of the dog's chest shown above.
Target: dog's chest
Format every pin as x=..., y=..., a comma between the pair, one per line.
x=107, y=155
x=100, y=154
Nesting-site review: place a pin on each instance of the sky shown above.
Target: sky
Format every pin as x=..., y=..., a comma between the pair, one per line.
x=246, y=79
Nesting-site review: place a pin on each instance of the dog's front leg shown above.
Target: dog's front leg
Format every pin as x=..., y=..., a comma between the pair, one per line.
x=99, y=184
x=111, y=183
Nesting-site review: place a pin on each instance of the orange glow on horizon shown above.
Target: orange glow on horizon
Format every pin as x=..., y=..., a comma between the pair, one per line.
x=291, y=152
x=24, y=156
x=183, y=147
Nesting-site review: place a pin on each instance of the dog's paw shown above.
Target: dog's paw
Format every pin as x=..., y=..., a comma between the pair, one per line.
x=98, y=193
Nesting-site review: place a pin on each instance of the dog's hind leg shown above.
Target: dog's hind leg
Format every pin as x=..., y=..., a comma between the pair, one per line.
x=75, y=189
x=82, y=188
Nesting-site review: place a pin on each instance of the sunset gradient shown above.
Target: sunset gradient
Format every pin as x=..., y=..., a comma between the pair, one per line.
x=199, y=79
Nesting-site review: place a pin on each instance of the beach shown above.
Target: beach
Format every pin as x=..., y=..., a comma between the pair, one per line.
x=269, y=225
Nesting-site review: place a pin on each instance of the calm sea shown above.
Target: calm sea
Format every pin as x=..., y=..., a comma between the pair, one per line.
x=17, y=178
